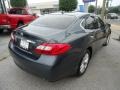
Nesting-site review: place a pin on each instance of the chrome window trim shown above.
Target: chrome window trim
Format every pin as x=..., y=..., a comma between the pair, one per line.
x=82, y=26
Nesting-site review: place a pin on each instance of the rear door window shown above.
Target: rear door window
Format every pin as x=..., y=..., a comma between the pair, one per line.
x=17, y=11
x=90, y=23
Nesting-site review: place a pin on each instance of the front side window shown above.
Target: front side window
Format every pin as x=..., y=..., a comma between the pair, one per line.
x=101, y=23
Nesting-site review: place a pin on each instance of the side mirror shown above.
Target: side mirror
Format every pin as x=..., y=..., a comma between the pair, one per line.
x=109, y=24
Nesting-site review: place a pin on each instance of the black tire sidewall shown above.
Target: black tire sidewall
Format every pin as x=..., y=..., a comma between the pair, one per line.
x=78, y=70
x=1, y=30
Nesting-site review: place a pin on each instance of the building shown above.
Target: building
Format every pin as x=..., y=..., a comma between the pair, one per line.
x=44, y=7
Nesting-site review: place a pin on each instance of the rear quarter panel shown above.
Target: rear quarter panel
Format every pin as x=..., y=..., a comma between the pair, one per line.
x=79, y=43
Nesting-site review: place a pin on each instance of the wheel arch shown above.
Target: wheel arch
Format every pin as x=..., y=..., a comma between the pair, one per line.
x=20, y=21
x=91, y=51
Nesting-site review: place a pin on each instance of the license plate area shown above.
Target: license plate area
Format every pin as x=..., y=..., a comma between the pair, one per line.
x=24, y=44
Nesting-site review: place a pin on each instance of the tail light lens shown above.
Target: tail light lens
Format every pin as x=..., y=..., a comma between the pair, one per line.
x=52, y=49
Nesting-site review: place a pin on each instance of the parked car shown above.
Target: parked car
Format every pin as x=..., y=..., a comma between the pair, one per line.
x=15, y=18
x=58, y=45
x=112, y=16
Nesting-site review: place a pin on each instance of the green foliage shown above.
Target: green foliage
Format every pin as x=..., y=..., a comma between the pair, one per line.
x=18, y=3
x=67, y=5
x=114, y=9
x=91, y=9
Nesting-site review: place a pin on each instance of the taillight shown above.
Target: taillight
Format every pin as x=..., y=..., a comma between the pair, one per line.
x=52, y=49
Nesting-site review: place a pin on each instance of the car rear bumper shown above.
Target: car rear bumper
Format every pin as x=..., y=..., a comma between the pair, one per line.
x=34, y=67
x=5, y=26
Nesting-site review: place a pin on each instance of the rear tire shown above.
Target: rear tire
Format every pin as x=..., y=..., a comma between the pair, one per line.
x=20, y=24
x=1, y=30
x=83, y=65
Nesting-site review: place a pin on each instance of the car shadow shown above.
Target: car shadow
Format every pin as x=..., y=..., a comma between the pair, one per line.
x=5, y=34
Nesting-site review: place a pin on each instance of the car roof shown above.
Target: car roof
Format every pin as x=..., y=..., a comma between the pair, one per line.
x=76, y=14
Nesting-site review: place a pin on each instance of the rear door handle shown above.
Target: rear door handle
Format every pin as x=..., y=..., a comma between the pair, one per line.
x=92, y=36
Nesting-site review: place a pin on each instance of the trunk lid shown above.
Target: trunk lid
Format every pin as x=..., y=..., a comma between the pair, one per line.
x=46, y=33
x=32, y=42
x=34, y=36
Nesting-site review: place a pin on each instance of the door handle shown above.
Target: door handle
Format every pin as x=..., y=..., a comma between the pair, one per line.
x=92, y=36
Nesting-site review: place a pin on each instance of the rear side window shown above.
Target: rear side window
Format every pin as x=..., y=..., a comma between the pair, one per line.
x=90, y=23
x=54, y=21
x=17, y=11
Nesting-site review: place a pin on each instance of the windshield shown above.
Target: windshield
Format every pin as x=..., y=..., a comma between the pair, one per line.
x=54, y=21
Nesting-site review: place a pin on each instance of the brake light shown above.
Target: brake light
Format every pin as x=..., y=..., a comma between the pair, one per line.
x=52, y=49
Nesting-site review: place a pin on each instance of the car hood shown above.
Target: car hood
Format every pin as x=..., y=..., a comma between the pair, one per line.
x=46, y=33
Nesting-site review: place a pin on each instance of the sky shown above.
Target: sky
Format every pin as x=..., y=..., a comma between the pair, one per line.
x=114, y=2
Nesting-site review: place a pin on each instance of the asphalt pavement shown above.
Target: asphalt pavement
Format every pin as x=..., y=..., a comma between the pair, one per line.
x=103, y=72
x=4, y=39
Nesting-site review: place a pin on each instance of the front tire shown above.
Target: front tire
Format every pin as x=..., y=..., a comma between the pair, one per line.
x=107, y=41
x=83, y=65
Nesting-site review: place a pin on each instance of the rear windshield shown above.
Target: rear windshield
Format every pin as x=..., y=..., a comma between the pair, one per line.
x=54, y=21
x=17, y=11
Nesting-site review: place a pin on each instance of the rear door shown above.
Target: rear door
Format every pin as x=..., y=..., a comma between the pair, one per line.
x=91, y=25
x=100, y=33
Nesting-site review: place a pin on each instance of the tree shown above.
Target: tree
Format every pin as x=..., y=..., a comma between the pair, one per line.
x=91, y=9
x=99, y=10
x=18, y=3
x=114, y=9
x=67, y=5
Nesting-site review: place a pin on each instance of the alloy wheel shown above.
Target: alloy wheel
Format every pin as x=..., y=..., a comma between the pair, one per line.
x=84, y=63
